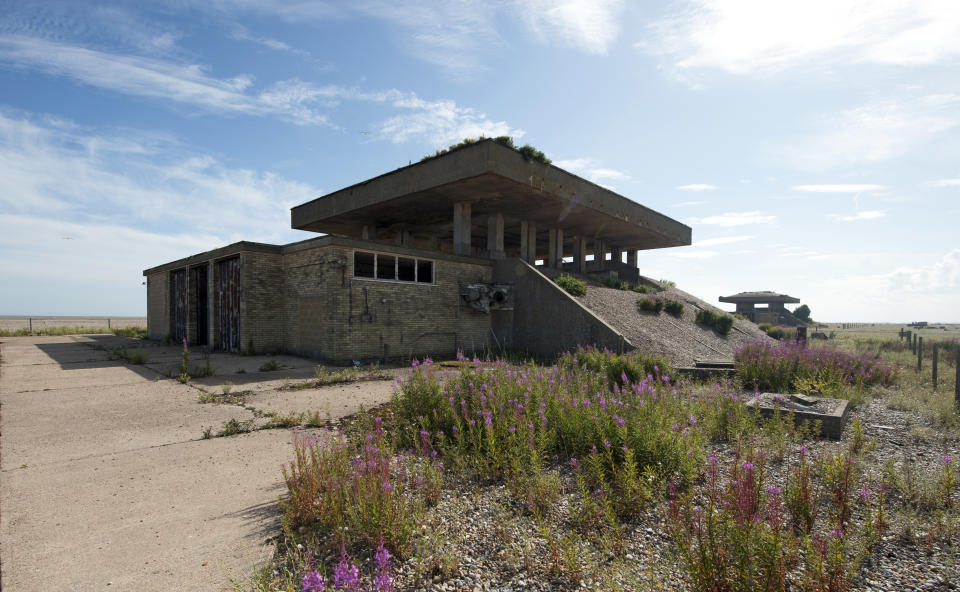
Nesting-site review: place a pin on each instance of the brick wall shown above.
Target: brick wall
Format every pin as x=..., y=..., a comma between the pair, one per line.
x=262, y=302
x=158, y=302
x=334, y=316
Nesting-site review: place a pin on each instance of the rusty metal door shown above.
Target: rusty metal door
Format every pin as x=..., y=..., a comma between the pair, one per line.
x=198, y=277
x=228, y=304
x=178, y=305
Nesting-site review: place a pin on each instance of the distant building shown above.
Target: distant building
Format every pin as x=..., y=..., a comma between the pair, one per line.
x=452, y=253
x=764, y=307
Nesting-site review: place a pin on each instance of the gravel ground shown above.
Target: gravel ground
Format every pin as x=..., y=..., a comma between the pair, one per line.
x=680, y=340
x=479, y=538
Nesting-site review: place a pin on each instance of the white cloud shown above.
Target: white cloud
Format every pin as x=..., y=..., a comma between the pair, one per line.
x=945, y=183
x=143, y=182
x=942, y=276
x=441, y=122
x=438, y=122
x=747, y=37
x=848, y=188
x=735, y=219
x=721, y=240
x=694, y=254
x=589, y=25
x=687, y=204
x=865, y=215
x=590, y=169
x=874, y=133
x=696, y=187
x=154, y=78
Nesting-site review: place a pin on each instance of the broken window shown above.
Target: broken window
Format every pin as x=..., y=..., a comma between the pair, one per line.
x=363, y=264
x=391, y=267
x=424, y=272
x=386, y=267
x=406, y=269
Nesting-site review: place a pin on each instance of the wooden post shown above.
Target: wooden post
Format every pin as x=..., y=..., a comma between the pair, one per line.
x=108, y=323
x=31, y=325
x=935, y=352
x=919, y=353
x=956, y=384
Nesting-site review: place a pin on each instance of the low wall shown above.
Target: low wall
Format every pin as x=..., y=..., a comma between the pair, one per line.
x=547, y=321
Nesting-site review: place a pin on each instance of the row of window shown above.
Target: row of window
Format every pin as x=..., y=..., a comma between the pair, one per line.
x=380, y=266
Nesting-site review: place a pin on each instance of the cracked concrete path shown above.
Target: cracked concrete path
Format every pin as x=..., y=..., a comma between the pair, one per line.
x=105, y=482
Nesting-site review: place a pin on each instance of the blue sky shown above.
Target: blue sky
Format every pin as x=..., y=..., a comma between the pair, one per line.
x=812, y=146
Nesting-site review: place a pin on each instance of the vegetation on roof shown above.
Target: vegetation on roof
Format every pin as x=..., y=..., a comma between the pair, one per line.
x=527, y=151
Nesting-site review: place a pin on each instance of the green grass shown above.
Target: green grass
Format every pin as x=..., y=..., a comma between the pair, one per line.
x=136, y=332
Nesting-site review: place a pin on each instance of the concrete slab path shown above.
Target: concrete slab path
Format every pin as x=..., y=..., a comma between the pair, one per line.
x=106, y=482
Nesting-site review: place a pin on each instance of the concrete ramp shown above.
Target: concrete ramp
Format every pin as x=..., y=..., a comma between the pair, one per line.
x=546, y=319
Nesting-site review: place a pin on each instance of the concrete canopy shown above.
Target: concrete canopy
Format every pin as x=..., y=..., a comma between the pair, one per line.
x=759, y=298
x=493, y=179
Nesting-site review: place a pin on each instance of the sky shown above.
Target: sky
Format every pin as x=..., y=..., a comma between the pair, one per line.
x=812, y=146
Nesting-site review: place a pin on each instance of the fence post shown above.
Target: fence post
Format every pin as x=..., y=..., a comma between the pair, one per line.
x=956, y=384
x=935, y=352
x=31, y=325
x=919, y=353
x=108, y=323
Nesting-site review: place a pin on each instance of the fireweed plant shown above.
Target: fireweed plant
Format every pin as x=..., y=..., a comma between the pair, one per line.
x=790, y=366
x=497, y=421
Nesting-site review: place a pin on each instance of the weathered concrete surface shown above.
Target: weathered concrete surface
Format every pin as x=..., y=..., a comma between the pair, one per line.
x=106, y=482
x=337, y=400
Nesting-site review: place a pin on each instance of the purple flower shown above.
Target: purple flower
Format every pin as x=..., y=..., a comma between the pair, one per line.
x=312, y=582
x=346, y=576
x=746, y=466
x=606, y=443
x=382, y=582
x=947, y=459
x=387, y=487
x=774, y=490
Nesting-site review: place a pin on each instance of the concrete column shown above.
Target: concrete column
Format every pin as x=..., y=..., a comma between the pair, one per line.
x=579, y=254
x=532, y=242
x=495, y=236
x=599, y=250
x=461, y=228
x=551, y=247
x=523, y=240
x=369, y=232
x=616, y=255
x=632, y=258
x=559, y=248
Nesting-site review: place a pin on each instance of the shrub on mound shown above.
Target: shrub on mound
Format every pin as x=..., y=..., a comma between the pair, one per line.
x=674, y=307
x=722, y=323
x=571, y=285
x=654, y=305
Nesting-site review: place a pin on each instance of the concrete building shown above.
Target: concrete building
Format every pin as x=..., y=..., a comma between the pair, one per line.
x=763, y=307
x=452, y=253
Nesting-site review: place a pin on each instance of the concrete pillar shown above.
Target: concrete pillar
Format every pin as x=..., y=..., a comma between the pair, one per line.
x=616, y=255
x=555, y=249
x=461, y=228
x=580, y=254
x=532, y=242
x=559, y=248
x=369, y=232
x=599, y=251
x=632, y=258
x=523, y=239
x=495, y=236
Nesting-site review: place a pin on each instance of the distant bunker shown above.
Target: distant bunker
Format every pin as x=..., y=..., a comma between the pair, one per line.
x=831, y=413
x=763, y=307
x=453, y=253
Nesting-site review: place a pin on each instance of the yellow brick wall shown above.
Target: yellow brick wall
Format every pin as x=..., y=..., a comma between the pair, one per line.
x=325, y=307
x=158, y=306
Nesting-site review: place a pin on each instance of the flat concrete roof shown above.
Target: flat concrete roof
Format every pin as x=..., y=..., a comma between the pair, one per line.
x=759, y=297
x=492, y=178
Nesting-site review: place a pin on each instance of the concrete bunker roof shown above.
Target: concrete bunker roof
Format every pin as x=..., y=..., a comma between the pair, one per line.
x=492, y=178
x=759, y=297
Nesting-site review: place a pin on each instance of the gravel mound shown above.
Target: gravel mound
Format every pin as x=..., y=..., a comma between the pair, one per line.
x=680, y=340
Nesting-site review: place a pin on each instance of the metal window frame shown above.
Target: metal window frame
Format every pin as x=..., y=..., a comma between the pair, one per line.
x=396, y=268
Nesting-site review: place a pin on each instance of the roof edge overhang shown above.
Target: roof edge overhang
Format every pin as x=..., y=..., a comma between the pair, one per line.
x=488, y=158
